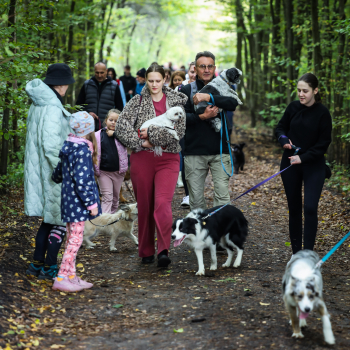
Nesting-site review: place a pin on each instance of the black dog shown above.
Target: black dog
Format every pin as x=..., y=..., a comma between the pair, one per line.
x=238, y=156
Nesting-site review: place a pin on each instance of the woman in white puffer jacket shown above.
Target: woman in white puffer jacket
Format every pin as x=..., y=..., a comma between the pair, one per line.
x=47, y=129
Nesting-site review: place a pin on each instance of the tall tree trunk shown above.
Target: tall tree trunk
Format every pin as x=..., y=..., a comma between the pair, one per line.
x=288, y=14
x=68, y=54
x=316, y=37
x=6, y=114
x=127, y=51
x=327, y=49
x=105, y=29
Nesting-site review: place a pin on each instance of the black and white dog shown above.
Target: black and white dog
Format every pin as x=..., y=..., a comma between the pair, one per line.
x=228, y=228
x=302, y=293
x=238, y=156
x=221, y=85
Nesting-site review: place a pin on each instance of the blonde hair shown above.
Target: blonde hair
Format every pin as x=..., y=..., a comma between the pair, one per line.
x=91, y=137
x=114, y=110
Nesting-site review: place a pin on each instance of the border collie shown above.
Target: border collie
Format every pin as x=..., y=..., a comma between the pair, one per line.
x=302, y=293
x=221, y=85
x=228, y=228
x=126, y=214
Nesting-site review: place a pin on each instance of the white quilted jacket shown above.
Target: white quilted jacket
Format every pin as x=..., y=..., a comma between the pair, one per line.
x=47, y=129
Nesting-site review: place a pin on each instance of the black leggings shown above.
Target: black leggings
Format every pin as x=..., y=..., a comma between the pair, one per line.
x=313, y=175
x=48, y=241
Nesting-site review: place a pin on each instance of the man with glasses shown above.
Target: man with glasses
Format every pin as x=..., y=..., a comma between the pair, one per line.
x=202, y=142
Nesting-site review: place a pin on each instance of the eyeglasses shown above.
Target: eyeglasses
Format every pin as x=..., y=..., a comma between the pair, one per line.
x=209, y=66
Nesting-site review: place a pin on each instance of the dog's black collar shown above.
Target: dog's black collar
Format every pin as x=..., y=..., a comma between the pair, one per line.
x=225, y=80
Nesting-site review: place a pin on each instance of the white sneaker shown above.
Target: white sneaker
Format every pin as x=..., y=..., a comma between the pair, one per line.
x=179, y=180
x=185, y=202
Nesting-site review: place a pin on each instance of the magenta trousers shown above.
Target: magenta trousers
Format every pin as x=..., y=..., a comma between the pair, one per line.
x=154, y=180
x=110, y=184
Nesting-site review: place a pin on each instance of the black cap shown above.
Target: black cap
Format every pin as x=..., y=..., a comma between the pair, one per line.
x=59, y=74
x=141, y=73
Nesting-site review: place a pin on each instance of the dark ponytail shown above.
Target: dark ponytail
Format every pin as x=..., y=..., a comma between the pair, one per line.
x=155, y=67
x=312, y=81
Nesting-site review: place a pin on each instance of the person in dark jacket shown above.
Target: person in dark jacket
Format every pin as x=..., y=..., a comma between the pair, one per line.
x=129, y=83
x=100, y=94
x=307, y=124
x=202, y=142
x=141, y=81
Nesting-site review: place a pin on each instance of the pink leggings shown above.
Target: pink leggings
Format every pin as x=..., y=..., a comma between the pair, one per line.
x=110, y=183
x=74, y=239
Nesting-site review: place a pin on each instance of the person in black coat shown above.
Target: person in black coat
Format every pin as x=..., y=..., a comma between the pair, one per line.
x=129, y=83
x=307, y=124
x=202, y=142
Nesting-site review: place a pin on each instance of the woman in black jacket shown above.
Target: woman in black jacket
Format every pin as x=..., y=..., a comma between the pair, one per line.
x=307, y=124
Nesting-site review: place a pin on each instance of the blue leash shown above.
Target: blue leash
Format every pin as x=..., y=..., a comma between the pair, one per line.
x=328, y=255
x=227, y=138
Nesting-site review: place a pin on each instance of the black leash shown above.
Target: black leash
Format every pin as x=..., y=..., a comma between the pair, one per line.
x=109, y=223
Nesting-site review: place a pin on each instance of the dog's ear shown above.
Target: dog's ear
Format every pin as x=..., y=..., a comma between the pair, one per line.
x=242, y=145
x=192, y=222
x=124, y=207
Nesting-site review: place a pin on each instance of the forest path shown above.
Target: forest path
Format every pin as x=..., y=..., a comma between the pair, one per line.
x=227, y=309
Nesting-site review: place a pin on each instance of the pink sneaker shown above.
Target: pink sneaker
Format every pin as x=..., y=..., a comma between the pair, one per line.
x=66, y=285
x=78, y=281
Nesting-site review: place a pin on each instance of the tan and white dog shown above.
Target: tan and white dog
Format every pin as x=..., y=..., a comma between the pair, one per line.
x=126, y=214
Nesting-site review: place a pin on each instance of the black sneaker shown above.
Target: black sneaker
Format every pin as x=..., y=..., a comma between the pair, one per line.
x=34, y=271
x=148, y=260
x=49, y=274
x=163, y=259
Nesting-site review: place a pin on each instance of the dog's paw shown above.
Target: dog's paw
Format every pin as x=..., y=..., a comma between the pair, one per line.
x=302, y=323
x=90, y=247
x=226, y=265
x=297, y=335
x=200, y=273
x=113, y=249
x=329, y=339
x=236, y=264
x=213, y=267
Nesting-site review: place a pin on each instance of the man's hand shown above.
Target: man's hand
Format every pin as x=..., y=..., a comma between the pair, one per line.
x=93, y=115
x=130, y=92
x=94, y=211
x=110, y=133
x=210, y=112
x=200, y=98
x=147, y=144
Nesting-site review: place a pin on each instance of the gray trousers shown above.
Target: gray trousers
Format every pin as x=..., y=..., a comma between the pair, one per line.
x=196, y=171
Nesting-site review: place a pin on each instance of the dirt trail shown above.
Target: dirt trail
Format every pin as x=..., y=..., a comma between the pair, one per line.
x=227, y=309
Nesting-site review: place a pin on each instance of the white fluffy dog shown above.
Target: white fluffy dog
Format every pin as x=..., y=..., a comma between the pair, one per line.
x=302, y=293
x=124, y=227
x=166, y=120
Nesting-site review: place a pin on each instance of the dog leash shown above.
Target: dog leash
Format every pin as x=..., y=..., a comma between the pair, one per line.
x=109, y=223
x=222, y=116
x=296, y=150
x=328, y=255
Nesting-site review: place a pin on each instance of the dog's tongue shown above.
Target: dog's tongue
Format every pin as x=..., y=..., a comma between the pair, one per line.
x=303, y=315
x=177, y=242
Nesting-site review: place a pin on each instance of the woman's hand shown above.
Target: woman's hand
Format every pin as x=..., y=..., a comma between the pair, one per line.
x=295, y=160
x=288, y=145
x=94, y=211
x=144, y=134
x=147, y=144
x=110, y=133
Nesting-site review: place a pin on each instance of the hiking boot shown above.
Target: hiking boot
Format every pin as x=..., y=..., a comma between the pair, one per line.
x=148, y=260
x=163, y=259
x=80, y=282
x=34, y=271
x=185, y=202
x=66, y=285
x=49, y=274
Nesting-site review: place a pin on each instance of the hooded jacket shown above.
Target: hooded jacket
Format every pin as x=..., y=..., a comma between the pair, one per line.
x=76, y=172
x=47, y=128
x=140, y=109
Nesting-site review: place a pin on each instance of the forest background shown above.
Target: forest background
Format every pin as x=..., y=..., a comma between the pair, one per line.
x=271, y=41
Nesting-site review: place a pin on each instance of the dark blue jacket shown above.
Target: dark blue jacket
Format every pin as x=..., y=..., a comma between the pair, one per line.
x=79, y=189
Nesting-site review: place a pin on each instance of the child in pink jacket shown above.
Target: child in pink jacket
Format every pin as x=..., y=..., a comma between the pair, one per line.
x=112, y=163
